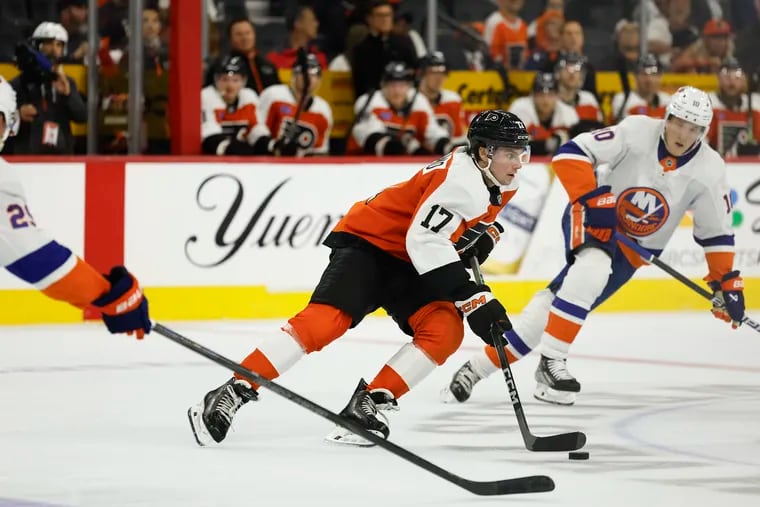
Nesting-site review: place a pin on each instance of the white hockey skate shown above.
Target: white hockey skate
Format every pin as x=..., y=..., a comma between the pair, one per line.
x=364, y=408
x=211, y=419
x=554, y=383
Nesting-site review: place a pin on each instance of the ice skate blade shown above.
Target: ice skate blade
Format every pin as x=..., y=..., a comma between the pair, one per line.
x=201, y=434
x=548, y=395
x=447, y=396
x=341, y=436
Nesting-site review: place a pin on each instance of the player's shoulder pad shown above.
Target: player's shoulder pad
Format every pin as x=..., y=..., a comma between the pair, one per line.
x=450, y=96
x=248, y=96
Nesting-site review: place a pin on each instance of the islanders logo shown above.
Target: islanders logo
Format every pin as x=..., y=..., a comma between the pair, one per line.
x=641, y=211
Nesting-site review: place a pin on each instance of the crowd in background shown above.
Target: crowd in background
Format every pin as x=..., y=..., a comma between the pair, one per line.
x=401, y=106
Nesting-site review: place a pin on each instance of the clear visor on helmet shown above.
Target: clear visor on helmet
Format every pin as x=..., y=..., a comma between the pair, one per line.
x=512, y=154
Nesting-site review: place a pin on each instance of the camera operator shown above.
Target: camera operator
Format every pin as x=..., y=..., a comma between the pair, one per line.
x=48, y=99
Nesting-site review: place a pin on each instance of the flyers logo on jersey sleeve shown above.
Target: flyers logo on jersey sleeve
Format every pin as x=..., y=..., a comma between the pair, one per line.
x=306, y=134
x=641, y=211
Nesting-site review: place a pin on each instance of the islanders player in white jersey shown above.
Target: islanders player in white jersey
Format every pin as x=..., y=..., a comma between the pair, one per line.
x=401, y=250
x=31, y=254
x=658, y=169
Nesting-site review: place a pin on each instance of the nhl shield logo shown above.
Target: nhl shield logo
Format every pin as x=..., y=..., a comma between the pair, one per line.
x=641, y=211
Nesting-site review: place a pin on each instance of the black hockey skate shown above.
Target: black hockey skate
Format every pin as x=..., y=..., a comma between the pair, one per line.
x=461, y=384
x=212, y=417
x=363, y=408
x=554, y=383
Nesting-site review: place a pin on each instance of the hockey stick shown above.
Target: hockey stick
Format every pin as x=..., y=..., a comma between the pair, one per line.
x=529, y=484
x=292, y=129
x=562, y=442
x=653, y=259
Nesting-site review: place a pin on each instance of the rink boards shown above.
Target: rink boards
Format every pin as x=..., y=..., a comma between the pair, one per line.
x=214, y=239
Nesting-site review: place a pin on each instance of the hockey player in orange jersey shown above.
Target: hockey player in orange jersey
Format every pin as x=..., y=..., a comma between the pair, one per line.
x=31, y=254
x=396, y=121
x=398, y=250
x=278, y=105
x=446, y=104
x=638, y=178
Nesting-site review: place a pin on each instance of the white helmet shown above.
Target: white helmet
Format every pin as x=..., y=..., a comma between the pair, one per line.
x=47, y=30
x=8, y=110
x=692, y=105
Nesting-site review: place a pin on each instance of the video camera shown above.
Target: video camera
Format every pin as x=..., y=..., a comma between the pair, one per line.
x=34, y=65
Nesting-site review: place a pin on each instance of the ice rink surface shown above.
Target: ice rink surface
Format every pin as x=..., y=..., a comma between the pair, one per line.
x=670, y=404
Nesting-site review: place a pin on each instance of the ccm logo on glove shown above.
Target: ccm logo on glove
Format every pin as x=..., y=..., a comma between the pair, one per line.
x=474, y=303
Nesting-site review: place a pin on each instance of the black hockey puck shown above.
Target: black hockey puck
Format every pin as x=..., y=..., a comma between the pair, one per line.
x=578, y=455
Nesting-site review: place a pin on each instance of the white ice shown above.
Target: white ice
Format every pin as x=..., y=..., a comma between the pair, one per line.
x=670, y=404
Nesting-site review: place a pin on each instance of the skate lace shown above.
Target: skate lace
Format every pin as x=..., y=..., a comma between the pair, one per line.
x=467, y=377
x=368, y=406
x=229, y=403
x=558, y=369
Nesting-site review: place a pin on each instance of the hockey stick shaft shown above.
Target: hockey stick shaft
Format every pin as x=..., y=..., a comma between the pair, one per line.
x=561, y=442
x=529, y=484
x=653, y=259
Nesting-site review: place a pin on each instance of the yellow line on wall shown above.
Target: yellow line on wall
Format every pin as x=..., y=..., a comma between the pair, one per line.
x=208, y=303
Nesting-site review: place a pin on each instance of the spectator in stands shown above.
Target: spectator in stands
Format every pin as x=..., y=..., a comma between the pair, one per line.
x=547, y=119
x=302, y=26
x=569, y=73
x=73, y=17
x=685, y=35
x=446, y=104
x=48, y=99
x=549, y=5
x=309, y=134
x=507, y=34
x=342, y=62
x=378, y=48
x=230, y=124
x=571, y=41
x=729, y=132
x=114, y=90
x=402, y=25
x=548, y=34
x=259, y=71
x=659, y=38
x=748, y=42
x=395, y=121
x=647, y=99
x=707, y=54
x=112, y=18
x=625, y=54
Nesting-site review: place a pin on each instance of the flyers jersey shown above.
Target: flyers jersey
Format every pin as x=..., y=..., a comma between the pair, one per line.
x=427, y=219
x=654, y=190
x=564, y=117
x=507, y=39
x=637, y=105
x=586, y=106
x=729, y=126
x=31, y=254
x=277, y=108
x=380, y=118
x=238, y=121
x=450, y=116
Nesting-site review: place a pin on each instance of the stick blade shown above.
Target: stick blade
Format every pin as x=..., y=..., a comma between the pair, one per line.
x=519, y=485
x=555, y=443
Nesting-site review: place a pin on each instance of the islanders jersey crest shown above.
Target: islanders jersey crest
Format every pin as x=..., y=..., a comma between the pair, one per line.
x=641, y=211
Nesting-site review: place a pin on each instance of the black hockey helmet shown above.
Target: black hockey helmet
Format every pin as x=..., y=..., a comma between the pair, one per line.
x=496, y=127
x=730, y=65
x=231, y=65
x=435, y=61
x=397, y=71
x=649, y=64
x=312, y=65
x=544, y=82
x=570, y=60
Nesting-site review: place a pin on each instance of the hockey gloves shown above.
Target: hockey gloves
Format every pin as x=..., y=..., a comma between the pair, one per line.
x=482, y=246
x=483, y=311
x=596, y=213
x=730, y=292
x=124, y=308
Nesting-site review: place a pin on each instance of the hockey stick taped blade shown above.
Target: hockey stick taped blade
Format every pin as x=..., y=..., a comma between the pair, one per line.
x=530, y=484
x=555, y=443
